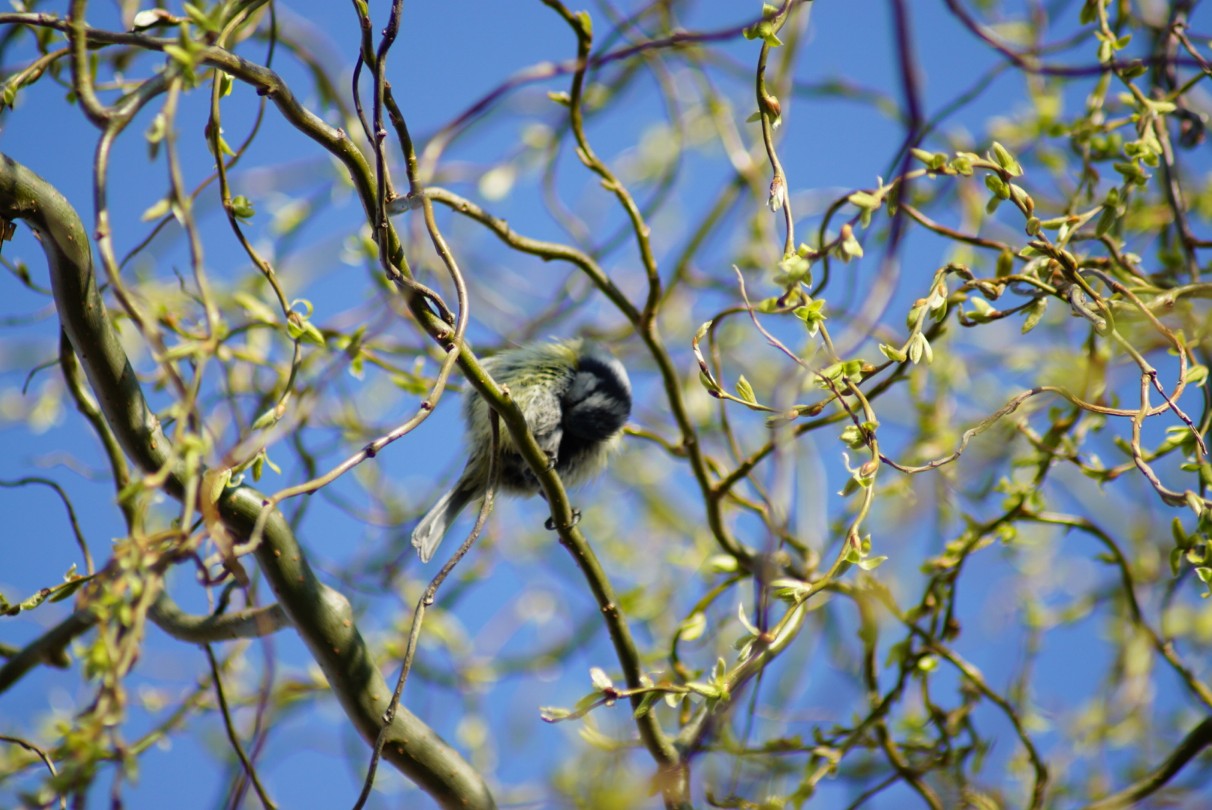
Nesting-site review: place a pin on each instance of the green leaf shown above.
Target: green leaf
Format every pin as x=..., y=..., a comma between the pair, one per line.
x=158, y=210
x=935, y=161
x=745, y=391
x=768, y=305
x=180, y=55
x=692, y=626
x=919, y=349
x=722, y=564
x=267, y=419
x=53, y=594
x=254, y=307
x=812, y=314
x=1005, y=264
x=600, y=680
x=871, y=563
x=863, y=199
x=853, y=437
x=962, y=166
x=1002, y=157
x=999, y=187
x=155, y=134
x=892, y=353
x=553, y=714
x=242, y=208
x=200, y=18
x=849, y=247
x=1034, y=313
x=66, y=590
x=586, y=22
x=1176, y=561
x=795, y=270
x=310, y=332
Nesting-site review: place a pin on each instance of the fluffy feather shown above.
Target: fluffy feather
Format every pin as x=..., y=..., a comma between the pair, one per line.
x=575, y=396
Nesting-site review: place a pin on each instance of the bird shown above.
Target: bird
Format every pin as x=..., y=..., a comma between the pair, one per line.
x=575, y=396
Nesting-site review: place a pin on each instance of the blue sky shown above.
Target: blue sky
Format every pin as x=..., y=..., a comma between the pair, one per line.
x=442, y=64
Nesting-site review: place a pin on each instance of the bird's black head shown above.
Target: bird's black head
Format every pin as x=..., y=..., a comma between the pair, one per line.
x=598, y=401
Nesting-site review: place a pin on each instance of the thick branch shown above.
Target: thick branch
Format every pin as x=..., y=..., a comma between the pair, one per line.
x=321, y=615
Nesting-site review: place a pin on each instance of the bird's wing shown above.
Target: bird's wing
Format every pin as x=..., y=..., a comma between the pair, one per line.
x=541, y=406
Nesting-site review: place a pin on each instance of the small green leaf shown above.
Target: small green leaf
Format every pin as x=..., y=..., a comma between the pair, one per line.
x=208, y=22
x=892, y=353
x=919, y=349
x=871, y=563
x=849, y=247
x=795, y=270
x=692, y=626
x=863, y=199
x=586, y=22
x=242, y=208
x=1034, y=313
x=312, y=333
x=179, y=55
x=962, y=166
x=1005, y=264
x=745, y=391
x=267, y=419
x=157, y=210
x=812, y=314
x=768, y=305
x=65, y=590
x=254, y=307
x=1002, y=157
x=1176, y=561
x=600, y=680
x=553, y=714
x=999, y=187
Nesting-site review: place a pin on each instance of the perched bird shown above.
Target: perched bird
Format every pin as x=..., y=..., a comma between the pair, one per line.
x=575, y=396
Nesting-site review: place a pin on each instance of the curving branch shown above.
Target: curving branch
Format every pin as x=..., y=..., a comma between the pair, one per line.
x=322, y=615
x=49, y=648
x=249, y=623
x=1196, y=741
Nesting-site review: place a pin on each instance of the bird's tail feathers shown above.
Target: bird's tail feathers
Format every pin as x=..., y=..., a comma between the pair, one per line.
x=432, y=528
